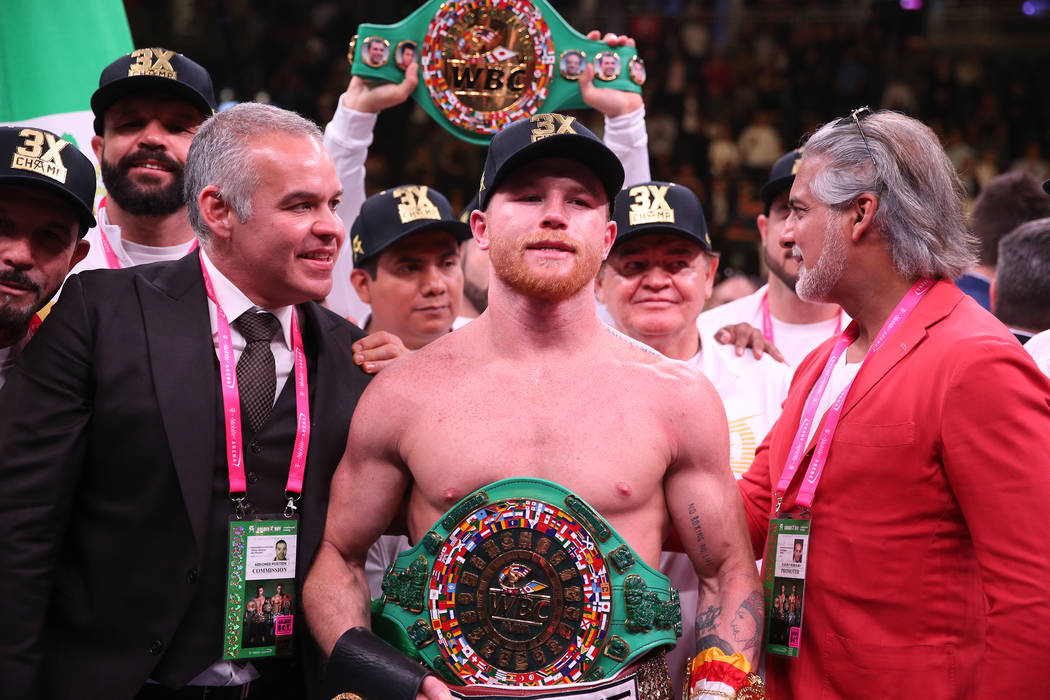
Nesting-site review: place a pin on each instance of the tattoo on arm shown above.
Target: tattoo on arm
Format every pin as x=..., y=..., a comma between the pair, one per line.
x=698, y=531
x=747, y=624
x=706, y=622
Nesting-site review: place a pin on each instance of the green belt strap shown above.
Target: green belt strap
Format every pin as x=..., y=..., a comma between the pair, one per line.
x=486, y=63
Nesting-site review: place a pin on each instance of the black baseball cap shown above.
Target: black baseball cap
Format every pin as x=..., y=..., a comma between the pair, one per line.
x=32, y=156
x=1046, y=186
x=660, y=207
x=781, y=176
x=547, y=135
x=155, y=69
x=389, y=216
x=464, y=215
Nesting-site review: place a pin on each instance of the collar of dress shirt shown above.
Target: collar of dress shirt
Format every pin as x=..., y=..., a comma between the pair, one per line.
x=234, y=302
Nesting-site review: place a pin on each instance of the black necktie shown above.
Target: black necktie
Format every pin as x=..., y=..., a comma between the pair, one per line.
x=256, y=370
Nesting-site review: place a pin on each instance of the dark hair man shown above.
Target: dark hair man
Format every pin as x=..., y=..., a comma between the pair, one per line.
x=1003, y=204
x=136, y=367
x=47, y=188
x=923, y=424
x=1020, y=292
x=405, y=246
x=148, y=106
x=794, y=325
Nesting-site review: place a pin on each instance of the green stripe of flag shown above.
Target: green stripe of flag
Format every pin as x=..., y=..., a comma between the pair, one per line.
x=52, y=52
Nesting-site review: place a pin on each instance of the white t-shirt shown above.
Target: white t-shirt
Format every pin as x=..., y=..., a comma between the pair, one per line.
x=794, y=340
x=1039, y=348
x=128, y=253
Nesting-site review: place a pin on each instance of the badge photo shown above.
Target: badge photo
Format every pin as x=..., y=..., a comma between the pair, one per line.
x=405, y=53
x=607, y=66
x=571, y=63
x=636, y=69
x=375, y=51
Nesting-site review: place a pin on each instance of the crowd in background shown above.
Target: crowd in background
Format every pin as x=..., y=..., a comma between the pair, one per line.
x=731, y=85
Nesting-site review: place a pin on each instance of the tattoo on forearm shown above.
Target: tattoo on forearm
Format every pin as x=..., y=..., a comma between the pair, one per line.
x=706, y=622
x=747, y=623
x=698, y=531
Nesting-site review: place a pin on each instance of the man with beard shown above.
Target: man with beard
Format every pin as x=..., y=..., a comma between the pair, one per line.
x=147, y=108
x=47, y=188
x=793, y=325
x=923, y=428
x=540, y=395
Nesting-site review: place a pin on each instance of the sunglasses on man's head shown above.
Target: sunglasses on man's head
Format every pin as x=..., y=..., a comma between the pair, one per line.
x=856, y=117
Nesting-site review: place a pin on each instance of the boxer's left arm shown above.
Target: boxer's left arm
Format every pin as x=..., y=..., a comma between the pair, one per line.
x=705, y=506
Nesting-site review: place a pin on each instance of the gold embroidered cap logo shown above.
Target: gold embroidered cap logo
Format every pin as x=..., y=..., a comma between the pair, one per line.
x=153, y=62
x=549, y=124
x=414, y=204
x=357, y=247
x=31, y=155
x=798, y=162
x=649, y=205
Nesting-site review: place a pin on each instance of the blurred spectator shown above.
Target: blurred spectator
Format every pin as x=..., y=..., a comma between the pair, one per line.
x=1020, y=291
x=1005, y=202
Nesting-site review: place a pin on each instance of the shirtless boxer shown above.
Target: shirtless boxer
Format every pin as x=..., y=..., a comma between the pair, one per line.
x=536, y=387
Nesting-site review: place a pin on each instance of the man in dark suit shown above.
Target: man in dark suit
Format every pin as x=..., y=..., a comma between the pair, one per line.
x=118, y=455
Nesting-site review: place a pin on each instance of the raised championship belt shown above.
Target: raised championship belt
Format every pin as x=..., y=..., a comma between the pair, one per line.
x=522, y=583
x=486, y=63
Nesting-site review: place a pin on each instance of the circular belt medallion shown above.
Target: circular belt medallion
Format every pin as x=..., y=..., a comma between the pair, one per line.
x=520, y=595
x=487, y=63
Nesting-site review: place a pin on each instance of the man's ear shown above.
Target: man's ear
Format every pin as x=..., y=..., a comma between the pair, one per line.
x=96, y=146
x=362, y=284
x=216, y=211
x=79, y=252
x=610, y=238
x=762, y=222
x=479, y=227
x=864, y=208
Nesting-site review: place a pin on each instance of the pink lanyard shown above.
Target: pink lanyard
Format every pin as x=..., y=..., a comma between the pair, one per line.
x=767, y=320
x=816, y=464
x=231, y=404
x=111, y=256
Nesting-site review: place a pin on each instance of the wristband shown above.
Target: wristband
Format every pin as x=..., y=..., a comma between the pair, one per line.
x=713, y=674
x=363, y=664
x=486, y=63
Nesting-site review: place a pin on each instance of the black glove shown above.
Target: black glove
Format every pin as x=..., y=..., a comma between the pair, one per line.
x=364, y=664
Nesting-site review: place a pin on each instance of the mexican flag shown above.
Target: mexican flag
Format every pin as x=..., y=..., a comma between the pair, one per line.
x=51, y=55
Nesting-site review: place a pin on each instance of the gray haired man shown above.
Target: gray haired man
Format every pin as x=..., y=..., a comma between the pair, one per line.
x=128, y=446
x=922, y=479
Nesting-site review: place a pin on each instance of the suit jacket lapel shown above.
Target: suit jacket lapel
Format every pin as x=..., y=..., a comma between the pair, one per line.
x=937, y=303
x=182, y=359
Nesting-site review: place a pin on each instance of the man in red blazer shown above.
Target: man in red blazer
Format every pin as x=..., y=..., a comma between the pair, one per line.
x=928, y=559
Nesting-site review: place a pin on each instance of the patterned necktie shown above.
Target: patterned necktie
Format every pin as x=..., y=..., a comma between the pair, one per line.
x=256, y=371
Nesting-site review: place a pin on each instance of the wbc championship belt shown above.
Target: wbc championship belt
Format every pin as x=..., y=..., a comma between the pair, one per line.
x=486, y=63
x=523, y=584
